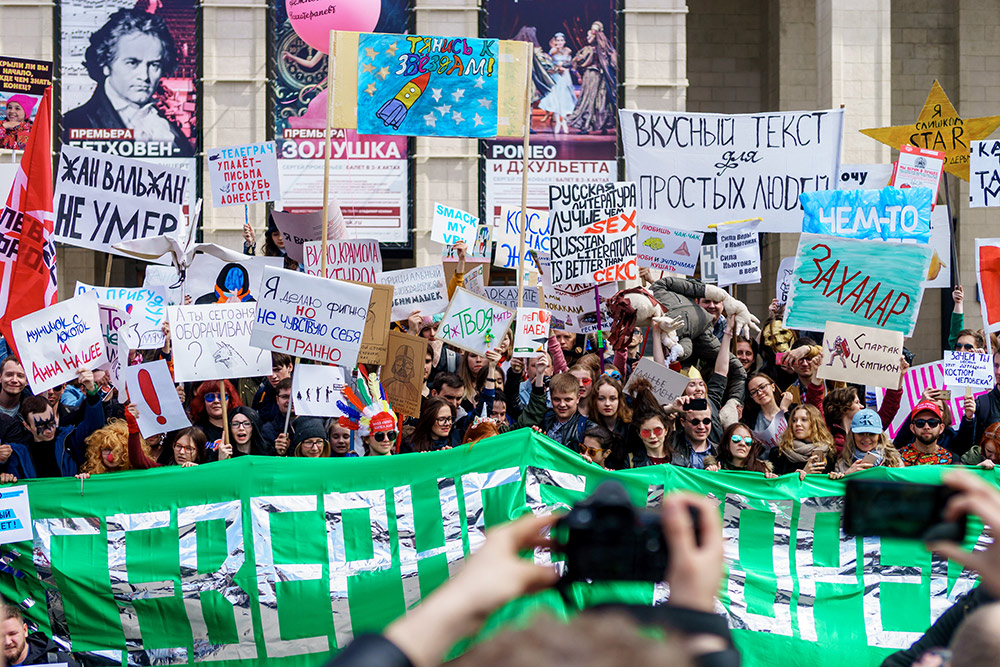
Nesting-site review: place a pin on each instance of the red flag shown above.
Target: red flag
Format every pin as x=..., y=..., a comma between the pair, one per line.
x=27, y=254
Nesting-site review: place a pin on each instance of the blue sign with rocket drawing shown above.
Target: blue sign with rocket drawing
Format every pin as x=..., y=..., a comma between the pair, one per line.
x=427, y=86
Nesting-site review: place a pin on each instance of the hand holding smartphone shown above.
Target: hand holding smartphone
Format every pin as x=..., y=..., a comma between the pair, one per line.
x=905, y=510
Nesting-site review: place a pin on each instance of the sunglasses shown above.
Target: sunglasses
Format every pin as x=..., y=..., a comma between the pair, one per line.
x=382, y=436
x=592, y=451
x=745, y=439
x=586, y=381
x=968, y=347
x=212, y=397
x=920, y=423
x=614, y=373
x=705, y=420
x=645, y=433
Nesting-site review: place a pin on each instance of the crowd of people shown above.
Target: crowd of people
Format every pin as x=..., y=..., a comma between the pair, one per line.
x=758, y=406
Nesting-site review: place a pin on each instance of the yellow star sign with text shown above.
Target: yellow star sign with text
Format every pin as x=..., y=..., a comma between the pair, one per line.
x=940, y=128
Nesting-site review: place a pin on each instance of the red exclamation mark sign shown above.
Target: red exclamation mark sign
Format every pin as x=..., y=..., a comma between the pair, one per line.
x=148, y=393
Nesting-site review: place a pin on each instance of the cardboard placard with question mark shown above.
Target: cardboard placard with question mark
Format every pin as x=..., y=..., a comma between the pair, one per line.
x=212, y=342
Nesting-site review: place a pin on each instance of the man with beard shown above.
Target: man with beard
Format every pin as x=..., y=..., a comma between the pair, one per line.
x=927, y=424
x=57, y=451
x=23, y=648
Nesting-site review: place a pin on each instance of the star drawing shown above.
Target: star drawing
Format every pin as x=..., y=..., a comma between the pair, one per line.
x=370, y=52
x=391, y=49
x=367, y=68
x=382, y=73
x=371, y=89
x=430, y=119
x=478, y=120
x=457, y=117
x=436, y=94
x=457, y=95
x=479, y=82
x=485, y=102
x=444, y=109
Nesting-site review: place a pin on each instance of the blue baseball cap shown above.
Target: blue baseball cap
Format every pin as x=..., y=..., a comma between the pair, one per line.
x=866, y=421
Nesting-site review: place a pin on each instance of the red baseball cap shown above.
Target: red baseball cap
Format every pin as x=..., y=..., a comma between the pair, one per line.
x=926, y=405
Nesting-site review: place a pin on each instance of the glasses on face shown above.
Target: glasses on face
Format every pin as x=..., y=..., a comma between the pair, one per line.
x=646, y=432
x=760, y=389
x=745, y=439
x=382, y=436
x=705, y=420
x=212, y=397
x=920, y=423
x=443, y=420
x=184, y=448
x=592, y=451
x=241, y=425
x=585, y=381
x=313, y=442
x=968, y=347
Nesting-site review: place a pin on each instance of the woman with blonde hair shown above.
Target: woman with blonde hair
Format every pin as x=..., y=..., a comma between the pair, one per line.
x=865, y=446
x=806, y=446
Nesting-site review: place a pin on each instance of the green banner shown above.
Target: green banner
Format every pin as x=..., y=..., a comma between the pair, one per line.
x=284, y=560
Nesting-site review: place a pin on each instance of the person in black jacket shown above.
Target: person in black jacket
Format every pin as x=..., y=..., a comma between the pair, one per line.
x=23, y=648
x=496, y=574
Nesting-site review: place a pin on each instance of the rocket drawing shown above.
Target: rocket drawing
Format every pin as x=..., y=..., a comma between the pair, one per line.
x=394, y=111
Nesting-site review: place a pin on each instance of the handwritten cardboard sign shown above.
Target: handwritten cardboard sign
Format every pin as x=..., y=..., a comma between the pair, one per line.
x=474, y=324
x=243, y=174
x=212, y=342
x=402, y=376
x=102, y=199
x=616, y=194
x=739, y=253
x=15, y=515
x=709, y=263
x=506, y=295
x=864, y=176
x=146, y=306
x=316, y=389
x=55, y=341
x=375, y=340
x=112, y=323
x=203, y=275
x=537, y=237
x=837, y=279
x=473, y=280
x=422, y=288
x=151, y=389
x=984, y=174
x=299, y=229
x=988, y=270
x=696, y=169
x=597, y=245
x=346, y=259
x=863, y=355
x=668, y=249
x=307, y=316
x=968, y=369
x=667, y=385
x=915, y=381
x=577, y=312
x=451, y=225
x=783, y=281
x=889, y=213
x=531, y=334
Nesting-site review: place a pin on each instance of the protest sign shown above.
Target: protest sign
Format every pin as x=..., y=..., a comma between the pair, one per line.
x=402, y=376
x=151, y=389
x=576, y=311
x=864, y=176
x=212, y=342
x=836, y=280
x=889, y=213
x=102, y=199
x=112, y=323
x=915, y=381
x=22, y=84
x=507, y=234
x=783, y=281
x=918, y=168
x=597, y=245
x=667, y=385
x=375, y=339
x=668, y=249
x=15, y=514
x=709, y=263
x=739, y=253
x=473, y=280
x=146, y=306
x=506, y=295
x=243, y=174
x=481, y=249
x=56, y=341
x=697, y=169
x=308, y=316
x=531, y=334
x=422, y=288
x=473, y=323
x=862, y=355
x=984, y=174
x=380, y=507
x=968, y=369
x=619, y=194
x=300, y=229
x=203, y=275
x=346, y=259
x=988, y=271
x=316, y=389
x=451, y=225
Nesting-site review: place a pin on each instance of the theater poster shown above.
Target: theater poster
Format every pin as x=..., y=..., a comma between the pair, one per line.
x=368, y=173
x=574, y=99
x=129, y=79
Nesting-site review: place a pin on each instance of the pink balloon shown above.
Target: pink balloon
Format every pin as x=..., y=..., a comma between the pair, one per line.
x=313, y=20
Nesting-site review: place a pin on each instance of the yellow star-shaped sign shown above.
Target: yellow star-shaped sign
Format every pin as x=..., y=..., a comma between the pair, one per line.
x=939, y=128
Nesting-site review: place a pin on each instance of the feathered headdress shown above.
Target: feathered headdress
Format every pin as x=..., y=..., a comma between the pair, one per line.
x=366, y=410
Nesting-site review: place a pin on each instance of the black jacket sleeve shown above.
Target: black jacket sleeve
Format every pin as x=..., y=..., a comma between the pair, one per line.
x=369, y=650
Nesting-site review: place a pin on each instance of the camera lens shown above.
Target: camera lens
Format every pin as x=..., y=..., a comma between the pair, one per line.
x=584, y=515
x=652, y=544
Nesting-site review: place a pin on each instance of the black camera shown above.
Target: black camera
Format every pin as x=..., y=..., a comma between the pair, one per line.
x=606, y=538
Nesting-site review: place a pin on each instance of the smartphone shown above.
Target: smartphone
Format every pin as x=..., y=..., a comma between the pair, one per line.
x=905, y=510
x=871, y=457
x=944, y=394
x=697, y=404
x=779, y=357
